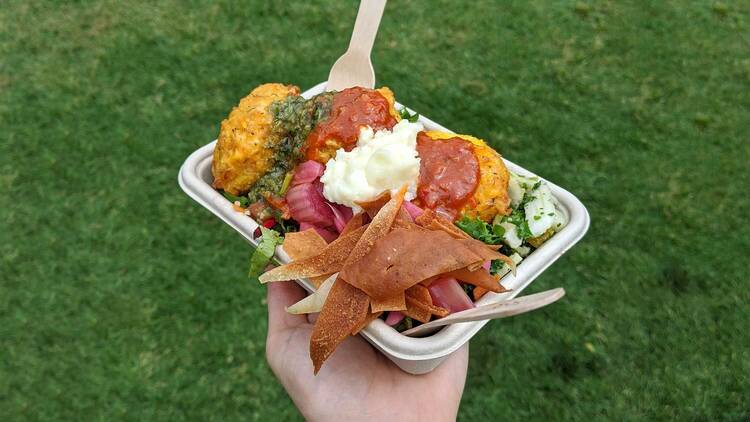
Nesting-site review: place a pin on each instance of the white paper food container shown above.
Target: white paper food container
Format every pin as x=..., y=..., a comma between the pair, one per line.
x=413, y=355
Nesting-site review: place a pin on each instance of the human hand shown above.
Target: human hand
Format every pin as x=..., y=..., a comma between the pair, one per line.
x=356, y=382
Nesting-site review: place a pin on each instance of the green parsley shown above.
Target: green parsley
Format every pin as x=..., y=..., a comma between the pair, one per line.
x=408, y=116
x=518, y=219
x=496, y=266
x=480, y=230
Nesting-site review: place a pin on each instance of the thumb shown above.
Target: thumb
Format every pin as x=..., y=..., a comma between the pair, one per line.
x=280, y=295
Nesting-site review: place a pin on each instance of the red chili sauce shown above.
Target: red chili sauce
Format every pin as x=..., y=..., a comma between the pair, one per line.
x=448, y=173
x=351, y=109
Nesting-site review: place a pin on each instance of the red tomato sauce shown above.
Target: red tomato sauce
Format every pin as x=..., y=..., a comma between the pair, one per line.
x=448, y=173
x=351, y=109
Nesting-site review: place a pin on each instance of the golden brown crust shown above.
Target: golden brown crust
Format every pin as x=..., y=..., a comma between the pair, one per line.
x=345, y=311
x=244, y=151
x=491, y=197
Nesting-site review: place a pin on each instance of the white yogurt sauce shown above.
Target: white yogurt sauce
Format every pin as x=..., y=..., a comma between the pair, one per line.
x=382, y=161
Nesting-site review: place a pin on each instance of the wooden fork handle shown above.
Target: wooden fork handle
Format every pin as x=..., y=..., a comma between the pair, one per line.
x=366, y=26
x=504, y=309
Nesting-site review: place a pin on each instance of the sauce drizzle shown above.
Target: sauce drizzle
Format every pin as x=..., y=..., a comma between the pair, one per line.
x=448, y=173
x=352, y=108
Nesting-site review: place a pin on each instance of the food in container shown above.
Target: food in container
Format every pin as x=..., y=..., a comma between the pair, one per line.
x=492, y=213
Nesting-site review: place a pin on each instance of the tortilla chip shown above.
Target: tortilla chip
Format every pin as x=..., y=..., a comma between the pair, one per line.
x=316, y=300
x=378, y=227
x=483, y=250
x=426, y=282
x=370, y=318
x=479, y=278
x=422, y=311
x=344, y=311
x=396, y=302
x=431, y=220
x=327, y=262
x=403, y=215
x=356, y=222
x=301, y=245
x=372, y=207
x=479, y=292
x=417, y=300
x=419, y=293
x=400, y=223
x=403, y=258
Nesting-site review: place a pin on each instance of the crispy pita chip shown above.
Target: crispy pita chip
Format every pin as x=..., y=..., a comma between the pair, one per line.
x=422, y=311
x=370, y=318
x=486, y=252
x=378, y=227
x=356, y=222
x=314, y=302
x=396, y=302
x=327, y=262
x=344, y=311
x=403, y=224
x=403, y=258
x=479, y=278
x=479, y=292
x=418, y=300
x=426, y=282
x=431, y=220
x=301, y=245
x=420, y=293
x=372, y=207
x=403, y=215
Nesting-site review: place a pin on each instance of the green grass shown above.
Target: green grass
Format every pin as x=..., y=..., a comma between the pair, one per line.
x=120, y=298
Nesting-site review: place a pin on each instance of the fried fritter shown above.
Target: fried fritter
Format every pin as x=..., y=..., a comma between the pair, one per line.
x=245, y=149
x=352, y=108
x=491, y=196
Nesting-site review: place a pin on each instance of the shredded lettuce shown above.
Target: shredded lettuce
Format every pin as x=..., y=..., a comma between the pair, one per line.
x=262, y=255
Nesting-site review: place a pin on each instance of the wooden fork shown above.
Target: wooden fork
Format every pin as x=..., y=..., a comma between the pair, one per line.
x=515, y=306
x=354, y=68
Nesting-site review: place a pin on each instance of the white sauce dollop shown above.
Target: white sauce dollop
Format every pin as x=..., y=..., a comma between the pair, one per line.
x=381, y=161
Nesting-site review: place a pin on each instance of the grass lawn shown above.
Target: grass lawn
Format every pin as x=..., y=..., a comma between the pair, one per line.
x=120, y=298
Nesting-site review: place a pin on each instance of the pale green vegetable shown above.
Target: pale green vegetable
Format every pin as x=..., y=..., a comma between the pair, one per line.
x=262, y=255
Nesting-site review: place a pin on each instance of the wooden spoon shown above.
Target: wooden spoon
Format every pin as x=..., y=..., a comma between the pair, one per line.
x=354, y=68
x=515, y=306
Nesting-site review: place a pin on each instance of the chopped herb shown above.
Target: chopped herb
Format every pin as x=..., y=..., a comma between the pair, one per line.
x=293, y=119
x=536, y=185
x=496, y=266
x=526, y=199
x=241, y=199
x=518, y=219
x=262, y=255
x=408, y=116
x=537, y=217
x=479, y=230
